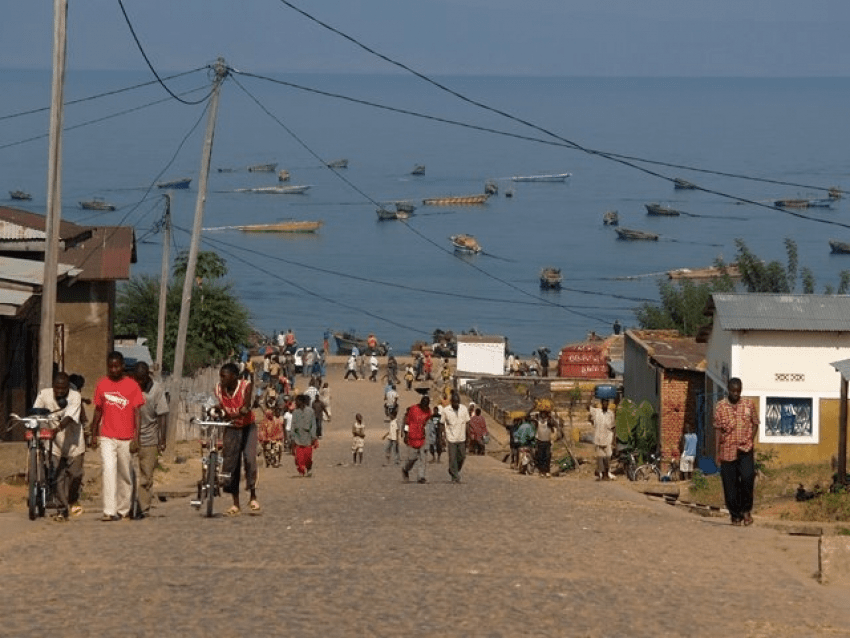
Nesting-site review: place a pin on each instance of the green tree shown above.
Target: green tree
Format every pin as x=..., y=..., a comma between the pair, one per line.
x=760, y=276
x=682, y=305
x=218, y=321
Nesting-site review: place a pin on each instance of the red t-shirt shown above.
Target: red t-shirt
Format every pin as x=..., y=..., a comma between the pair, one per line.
x=416, y=419
x=118, y=401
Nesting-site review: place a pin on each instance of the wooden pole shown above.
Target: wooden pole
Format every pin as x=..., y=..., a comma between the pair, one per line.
x=180, y=347
x=841, y=465
x=46, y=337
x=163, y=286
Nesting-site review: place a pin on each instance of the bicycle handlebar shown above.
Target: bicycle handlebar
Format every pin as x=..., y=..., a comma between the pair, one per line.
x=203, y=423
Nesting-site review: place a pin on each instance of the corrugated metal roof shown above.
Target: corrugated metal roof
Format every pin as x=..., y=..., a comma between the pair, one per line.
x=29, y=273
x=763, y=311
x=671, y=350
x=12, y=300
x=17, y=224
x=106, y=255
x=843, y=368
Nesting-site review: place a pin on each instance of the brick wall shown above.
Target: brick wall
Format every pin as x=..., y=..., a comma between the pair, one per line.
x=678, y=412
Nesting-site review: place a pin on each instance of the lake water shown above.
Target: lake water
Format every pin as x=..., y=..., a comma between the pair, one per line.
x=403, y=281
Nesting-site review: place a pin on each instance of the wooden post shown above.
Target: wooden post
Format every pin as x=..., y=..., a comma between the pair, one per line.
x=841, y=465
x=46, y=337
x=180, y=347
x=163, y=286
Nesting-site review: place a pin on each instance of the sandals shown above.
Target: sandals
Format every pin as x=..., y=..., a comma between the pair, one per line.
x=233, y=511
x=77, y=510
x=255, y=506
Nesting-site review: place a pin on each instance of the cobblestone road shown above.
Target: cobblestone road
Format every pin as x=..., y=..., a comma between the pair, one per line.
x=355, y=551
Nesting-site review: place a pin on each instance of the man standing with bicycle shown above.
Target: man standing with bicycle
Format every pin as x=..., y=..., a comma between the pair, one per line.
x=736, y=422
x=69, y=444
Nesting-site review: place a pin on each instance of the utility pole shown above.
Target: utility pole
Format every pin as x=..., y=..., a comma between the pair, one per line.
x=163, y=285
x=186, y=300
x=46, y=336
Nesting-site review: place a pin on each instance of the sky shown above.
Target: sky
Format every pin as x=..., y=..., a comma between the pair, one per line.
x=748, y=38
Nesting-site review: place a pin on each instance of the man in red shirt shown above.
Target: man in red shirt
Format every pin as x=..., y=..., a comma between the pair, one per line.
x=736, y=422
x=117, y=399
x=414, y=437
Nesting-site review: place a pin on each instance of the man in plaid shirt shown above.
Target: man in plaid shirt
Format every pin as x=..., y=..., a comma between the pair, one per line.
x=736, y=422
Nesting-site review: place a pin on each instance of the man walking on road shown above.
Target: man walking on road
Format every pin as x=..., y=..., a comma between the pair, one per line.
x=736, y=422
x=152, y=425
x=304, y=435
x=414, y=438
x=604, y=427
x=455, y=420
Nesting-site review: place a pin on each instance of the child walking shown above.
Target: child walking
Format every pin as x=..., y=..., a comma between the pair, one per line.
x=391, y=436
x=271, y=435
x=358, y=430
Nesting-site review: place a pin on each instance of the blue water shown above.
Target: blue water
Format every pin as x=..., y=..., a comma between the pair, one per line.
x=403, y=282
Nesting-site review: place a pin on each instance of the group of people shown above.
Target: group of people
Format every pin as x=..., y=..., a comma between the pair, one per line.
x=530, y=441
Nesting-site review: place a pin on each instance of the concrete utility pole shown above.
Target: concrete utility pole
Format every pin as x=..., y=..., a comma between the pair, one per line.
x=163, y=285
x=46, y=334
x=841, y=468
x=180, y=348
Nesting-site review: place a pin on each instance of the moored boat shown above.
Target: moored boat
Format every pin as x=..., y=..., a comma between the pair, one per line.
x=465, y=243
x=405, y=207
x=182, y=182
x=835, y=193
x=683, y=184
x=20, y=195
x=661, y=211
x=839, y=247
x=491, y=187
x=550, y=278
x=282, y=227
x=464, y=200
x=552, y=177
x=419, y=169
x=611, y=218
x=262, y=168
x=340, y=163
x=96, y=203
x=283, y=175
x=791, y=203
x=385, y=214
x=630, y=234
x=276, y=190
x=347, y=340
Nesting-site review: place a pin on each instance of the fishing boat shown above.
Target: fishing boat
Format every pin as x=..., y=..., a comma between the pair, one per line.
x=96, y=203
x=550, y=278
x=346, y=341
x=683, y=184
x=226, y=170
x=465, y=244
x=610, y=218
x=385, y=214
x=21, y=195
x=277, y=190
x=835, y=193
x=419, y=169
x=183, y=182
x=553, y=177
x=283, y=175
x=661, y=211
x=629, y=234
x=340, y=163
x=491, y=187
x=821, y=203
x=282, y=227
x=509, y=192
x=839, y=247
x=791, y=203
x=262, y=168
x=405, y=207
x=465, y=200
x=711, y=272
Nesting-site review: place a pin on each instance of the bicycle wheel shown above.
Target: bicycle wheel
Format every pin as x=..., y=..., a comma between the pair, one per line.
x=212, y=467
x=42, y=484
x=32, y=483
x=644, y=473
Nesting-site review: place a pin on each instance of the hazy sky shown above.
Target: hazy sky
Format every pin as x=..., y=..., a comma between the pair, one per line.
x=542, y=37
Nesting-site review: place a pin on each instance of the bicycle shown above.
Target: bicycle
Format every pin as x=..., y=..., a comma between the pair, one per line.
x=628, y=458
x=653, y=468
x=41, y=472
x=210, y=483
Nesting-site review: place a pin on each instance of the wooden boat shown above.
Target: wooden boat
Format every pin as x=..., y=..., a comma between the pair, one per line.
x=277, y=190
x=491, y=187
x=282, y=227
x=345, y=341
x=385, y=214
x=710, y=272
x=683, y=184
x=509, y=192
x=835, y=193
x=419, y=169
x=839, y=247
x=554, y=177
x=661, y=211
x=283, y=175
x=21, y=195
x=610, y=218
x=550, y=278
x=96, y=204
x=820, y=203
x=405, y=207
x=465, y=244
x=791, y=203
x=340, y=163
x=628, y=234
x=263, y=168
x=464, y=200
x=226, y=170
x=183, y=182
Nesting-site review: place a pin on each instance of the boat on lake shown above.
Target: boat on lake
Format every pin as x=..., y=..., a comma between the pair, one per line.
x=20, y=195
x=610, y=218
x=551, y=278
x=465, y=244
x=347, y=340
x=419, y=169
x=683, y=184
x=96, y=203
x=839, y=247
x=277, y=190
x=631, y=235
x=182, y=182
x=711, y=272
x=804, y=203
x=263, y=168
x=405, y=207
x=552, y=177
x=385, y=214
x=835, y=193
x=340, y=163
x=464, y=200
x=283, y=175
x=282, y=227
x=661, y=211
x=491, y=187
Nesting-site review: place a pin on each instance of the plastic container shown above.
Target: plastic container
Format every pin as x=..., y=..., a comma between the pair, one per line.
x=605, y=391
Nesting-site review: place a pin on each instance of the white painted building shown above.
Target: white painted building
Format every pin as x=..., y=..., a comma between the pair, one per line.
x=480, y=354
